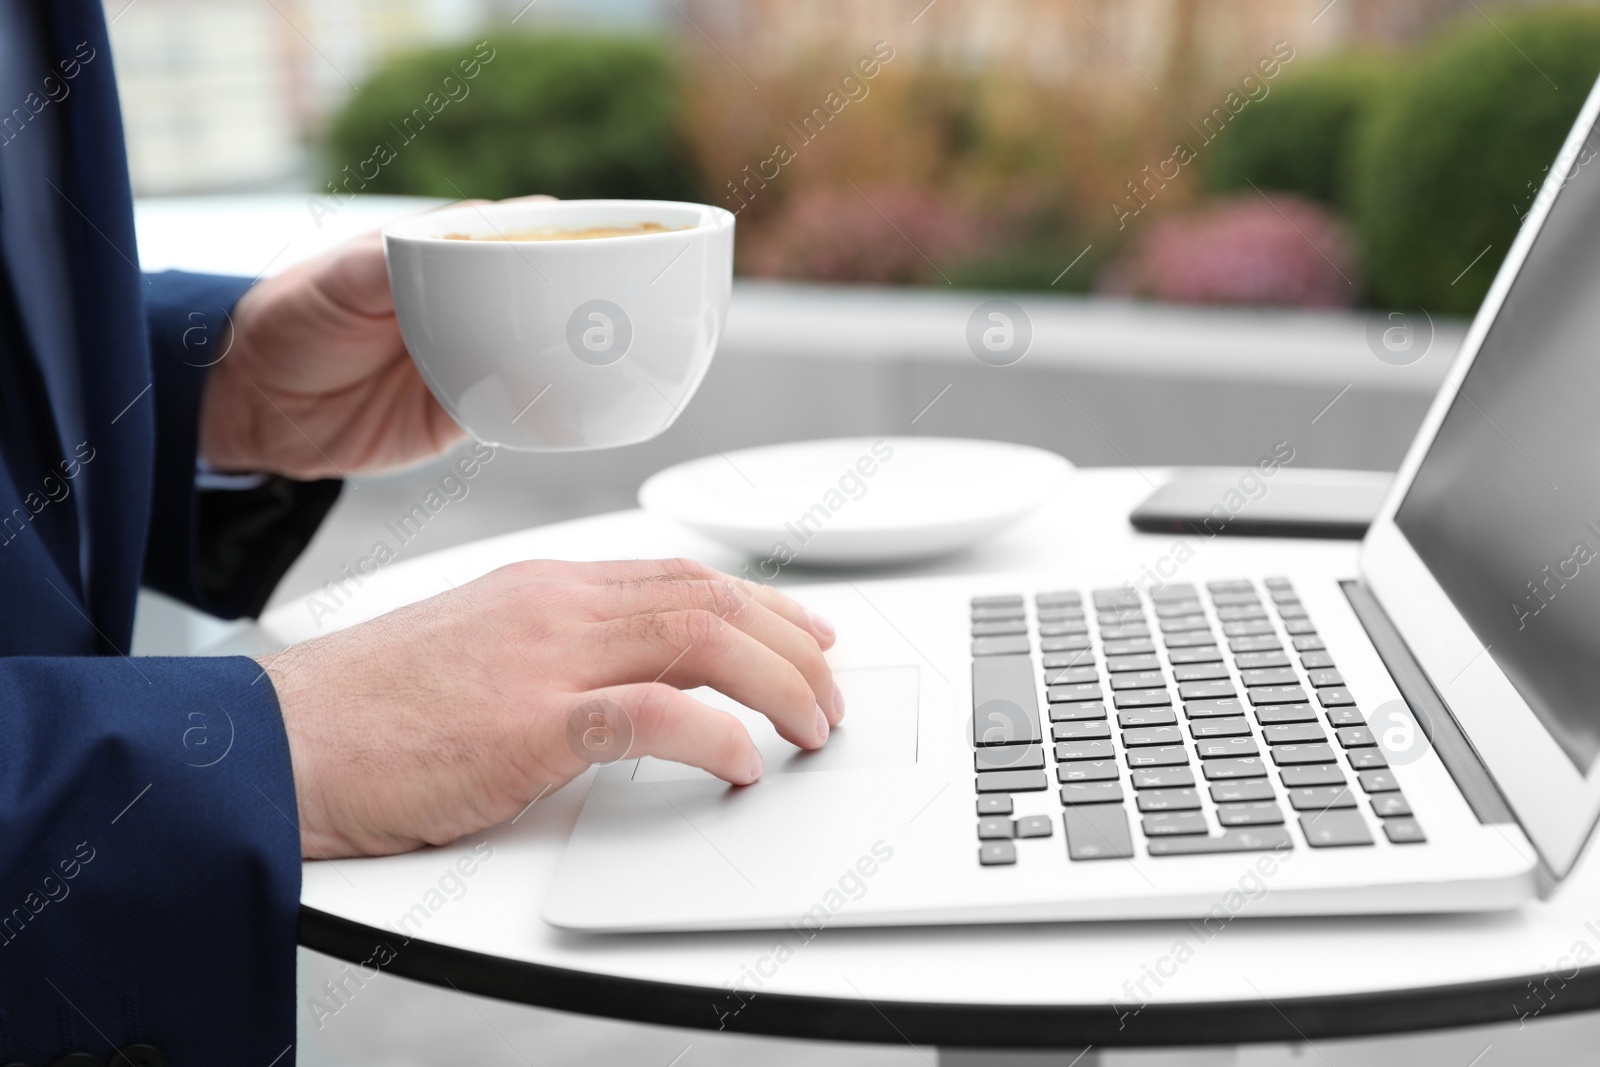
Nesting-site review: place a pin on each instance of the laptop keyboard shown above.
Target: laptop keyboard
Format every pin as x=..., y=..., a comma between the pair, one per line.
x=1171, y=728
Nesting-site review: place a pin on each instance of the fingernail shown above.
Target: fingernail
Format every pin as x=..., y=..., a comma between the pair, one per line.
x=838, y=701
x=822, y=724
x=756, y=767
x=821, y=625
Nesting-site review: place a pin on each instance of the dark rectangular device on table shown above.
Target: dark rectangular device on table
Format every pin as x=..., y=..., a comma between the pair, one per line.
x=1245, y=503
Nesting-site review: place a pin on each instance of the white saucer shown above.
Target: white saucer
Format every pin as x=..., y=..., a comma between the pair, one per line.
x=852, y=501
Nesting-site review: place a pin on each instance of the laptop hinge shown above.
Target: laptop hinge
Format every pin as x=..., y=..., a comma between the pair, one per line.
x=1439, y=726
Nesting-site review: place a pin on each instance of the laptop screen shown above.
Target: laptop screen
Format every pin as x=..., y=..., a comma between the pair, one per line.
x=1505, y=507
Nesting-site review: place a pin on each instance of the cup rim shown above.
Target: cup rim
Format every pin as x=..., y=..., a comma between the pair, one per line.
x=712, y=218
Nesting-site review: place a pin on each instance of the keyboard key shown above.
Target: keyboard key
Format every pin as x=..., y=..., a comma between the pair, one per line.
x=1356, y=737
x=1138, y=680
x=1045, y=600
x=1307, y=643
x=1211, y=690
x=1301, y=627
x=997, y=853
x=1276, y=714
x=1172, y=823
x=1180, y=609
x=1230, y=727
x=1290, y=755
x=1226, y=747
x=1251, y=839
x=1169, y=800
x=1195, y=654
x=1345, y=717
x=1189, y=639
x=1199, y=672
x=1092, y=709
x=1151, y=735
x=1325, y=677
x=1185, y=624
x=1001, y=646
x=1321, y=797
x=1290, y=613
x=1335, y=697
x=1056, y=614
x=1160, y=756
x=1240, y=612
x=1035, y=826
x=1122, y=617
x=1011, y=782
x=1174, y=591
x=1312, y=774
x=1008, y=758
x=1242, y=790
x=1088, y=770
x=1124, y=631
x=1403, y=832
x=1378, y=781
x=1145, y=717
x=1292, y=733
x=1226, y=769
x=1259, y=813
x=1069, y=643
x=1262, y=643
x=1080, y=729
x=1277, y=583
x=1312, y=661
x=1388, y=805
x=1004, y=710
x=998, y=627
x=1007, y=600
x=1097, y=831
x=1071, y=676
x=1141, y=698
x=1366, y=759
x=1123, y=664
x=1212, y=709
x=995, y=829
x=1246, y=628
x=995, y=804
x=1060, y=627
x=1064, y=694
x=1072, y=750
x=1162, y=778
x=1078, y=658
x=1277, y=694
x=1136, y=646
x=1260, y=660
x=1335, y=828
x=1241, y=594
x=1008, y=611
x=1073, y=793
x=1270, y=676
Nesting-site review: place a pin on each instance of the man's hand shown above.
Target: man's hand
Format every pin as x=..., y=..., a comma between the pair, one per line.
x=456, y=713
x=316, y=382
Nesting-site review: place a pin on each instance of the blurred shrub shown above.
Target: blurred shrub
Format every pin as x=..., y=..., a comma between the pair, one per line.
x=1245, y=251
x=568, y=115
x=1443, y=165
x=1298, y=139
x=891, y=234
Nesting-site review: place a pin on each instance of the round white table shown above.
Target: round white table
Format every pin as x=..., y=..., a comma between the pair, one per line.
x=1052, y=986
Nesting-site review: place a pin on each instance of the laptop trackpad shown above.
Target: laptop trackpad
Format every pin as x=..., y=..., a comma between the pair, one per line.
x=879, y=729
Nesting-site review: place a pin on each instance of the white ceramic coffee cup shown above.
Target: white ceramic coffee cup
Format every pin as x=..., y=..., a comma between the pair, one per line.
x=557, y=345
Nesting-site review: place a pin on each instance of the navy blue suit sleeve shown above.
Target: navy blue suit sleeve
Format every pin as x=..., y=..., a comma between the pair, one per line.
x=221, y=551
x=149, y=860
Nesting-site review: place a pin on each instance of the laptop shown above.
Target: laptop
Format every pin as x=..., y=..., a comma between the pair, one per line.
x=1417, y=736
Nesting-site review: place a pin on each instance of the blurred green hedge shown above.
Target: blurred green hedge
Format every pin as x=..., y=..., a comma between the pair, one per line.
x=571, y=115
x=1298, y=139
x=1441, y=167
x=1430, y=154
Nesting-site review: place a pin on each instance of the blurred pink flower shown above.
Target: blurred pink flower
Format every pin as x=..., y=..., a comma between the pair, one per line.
x=1245, y=251
x=882, y=233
